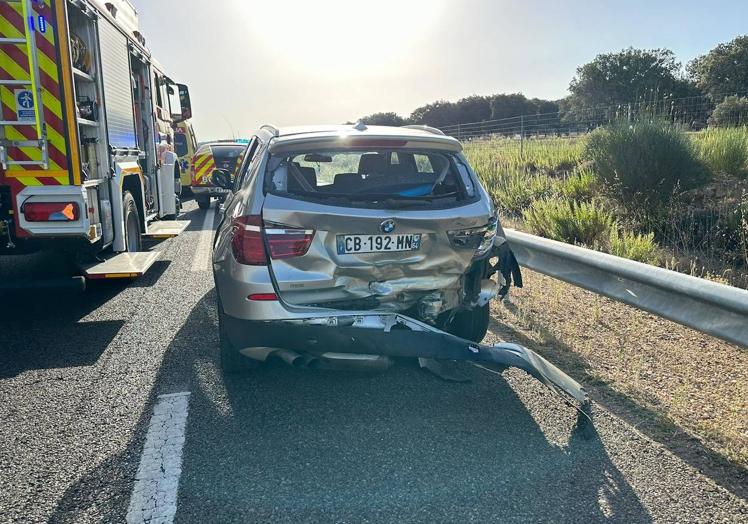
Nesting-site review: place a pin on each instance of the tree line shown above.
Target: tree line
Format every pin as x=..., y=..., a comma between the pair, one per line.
x=628, y=76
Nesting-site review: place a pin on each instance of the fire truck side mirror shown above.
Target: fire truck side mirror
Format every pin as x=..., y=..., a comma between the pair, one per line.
x=184, y=102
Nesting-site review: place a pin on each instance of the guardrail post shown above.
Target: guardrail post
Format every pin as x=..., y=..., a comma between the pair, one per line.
x=522, y=135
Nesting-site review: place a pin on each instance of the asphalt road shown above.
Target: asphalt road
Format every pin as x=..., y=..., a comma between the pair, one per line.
x=79, y=375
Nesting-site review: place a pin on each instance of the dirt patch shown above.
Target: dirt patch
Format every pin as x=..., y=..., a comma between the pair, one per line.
x=685, y=389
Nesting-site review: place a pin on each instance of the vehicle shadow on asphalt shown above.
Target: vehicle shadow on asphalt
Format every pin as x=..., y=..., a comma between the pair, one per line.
x=654, y=425
x=285, y=444
x=33, y=323
x=197, y=216
x=154, y=273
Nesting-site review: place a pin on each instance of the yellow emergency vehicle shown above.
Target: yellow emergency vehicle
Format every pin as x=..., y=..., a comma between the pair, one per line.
x=185, y=146
x=226, y=155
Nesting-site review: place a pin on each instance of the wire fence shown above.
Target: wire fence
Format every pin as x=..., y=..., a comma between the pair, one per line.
x=691, y=113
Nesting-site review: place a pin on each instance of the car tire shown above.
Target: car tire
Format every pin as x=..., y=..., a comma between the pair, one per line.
x=203, y=203
x=232, y=362
x=471, y=325
x=133, y=241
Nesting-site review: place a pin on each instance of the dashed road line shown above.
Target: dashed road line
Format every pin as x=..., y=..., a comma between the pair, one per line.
x=154, y=496
x=201, y=262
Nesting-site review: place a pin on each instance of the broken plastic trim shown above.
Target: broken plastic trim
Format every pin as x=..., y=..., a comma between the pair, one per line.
x=439, y=345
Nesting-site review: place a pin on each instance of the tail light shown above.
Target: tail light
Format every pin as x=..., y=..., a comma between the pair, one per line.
x=478, y=238
x=51, y=211
x=246, y=241
x=288, y=242
x=249, y=238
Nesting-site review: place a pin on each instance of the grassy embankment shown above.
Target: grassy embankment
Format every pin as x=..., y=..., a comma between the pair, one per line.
x=555, y=187
x=685, y=389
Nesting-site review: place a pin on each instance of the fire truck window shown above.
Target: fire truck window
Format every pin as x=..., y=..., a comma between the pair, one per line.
x=157, y=87
x=174, y=105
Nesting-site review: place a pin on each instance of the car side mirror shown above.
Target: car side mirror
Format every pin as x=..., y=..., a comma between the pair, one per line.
x=222, y=179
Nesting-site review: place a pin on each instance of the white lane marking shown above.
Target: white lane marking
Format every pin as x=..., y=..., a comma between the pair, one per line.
x=201, y=262
x=154, y=496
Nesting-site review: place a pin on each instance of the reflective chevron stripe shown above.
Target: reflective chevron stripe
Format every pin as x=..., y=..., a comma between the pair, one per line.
x=14, y=65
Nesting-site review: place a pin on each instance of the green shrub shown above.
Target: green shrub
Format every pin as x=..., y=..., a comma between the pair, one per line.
x=634, y=246
x=643, y=164
x=567, y=221
x=724, y=151
x=514, y=191
x=732, y=111
x=579, y=186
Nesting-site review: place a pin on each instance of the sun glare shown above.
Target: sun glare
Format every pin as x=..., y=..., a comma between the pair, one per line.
x=349, y=35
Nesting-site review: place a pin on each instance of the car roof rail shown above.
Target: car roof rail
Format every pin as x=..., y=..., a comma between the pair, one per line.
x=271, y=128
x=428, y=129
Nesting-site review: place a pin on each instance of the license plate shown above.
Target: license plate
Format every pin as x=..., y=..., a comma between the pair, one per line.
x=377, y=243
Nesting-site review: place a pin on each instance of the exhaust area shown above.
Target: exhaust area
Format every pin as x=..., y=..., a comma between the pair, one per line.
x=327, y=361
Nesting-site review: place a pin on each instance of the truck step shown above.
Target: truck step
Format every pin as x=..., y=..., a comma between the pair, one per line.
x=123, y=265
x=166, y=228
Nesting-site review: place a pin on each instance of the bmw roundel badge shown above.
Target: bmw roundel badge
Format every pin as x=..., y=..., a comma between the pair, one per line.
x=388, y=226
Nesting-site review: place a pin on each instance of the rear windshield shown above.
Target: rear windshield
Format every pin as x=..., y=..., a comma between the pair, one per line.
x=389, y=178
x=227, y=157
x=223, y=153
x=180, y=144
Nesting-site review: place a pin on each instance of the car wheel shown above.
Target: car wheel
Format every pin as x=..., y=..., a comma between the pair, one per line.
x=132, y=223
x=232, y=362
x=203, y=203
x=471, y=325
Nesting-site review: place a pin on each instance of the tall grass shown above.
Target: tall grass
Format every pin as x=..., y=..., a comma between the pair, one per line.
x=724, y=150
x=634, y=246
x=515, y=190
x=545, y=155
x=564, y=220
x=546, y=183
x=581, y=185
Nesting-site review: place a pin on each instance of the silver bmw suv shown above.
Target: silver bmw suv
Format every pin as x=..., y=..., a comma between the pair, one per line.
x=349, y=241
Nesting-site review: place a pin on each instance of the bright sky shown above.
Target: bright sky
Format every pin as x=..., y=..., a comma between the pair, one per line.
x=287, y=62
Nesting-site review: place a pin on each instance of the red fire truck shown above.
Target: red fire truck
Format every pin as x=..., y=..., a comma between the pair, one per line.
x=87, y=166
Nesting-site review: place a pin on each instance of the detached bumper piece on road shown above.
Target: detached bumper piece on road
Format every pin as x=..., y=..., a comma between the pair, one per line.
x=397, y=335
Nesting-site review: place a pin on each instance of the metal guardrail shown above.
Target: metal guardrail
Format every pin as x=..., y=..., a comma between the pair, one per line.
x=709, y=307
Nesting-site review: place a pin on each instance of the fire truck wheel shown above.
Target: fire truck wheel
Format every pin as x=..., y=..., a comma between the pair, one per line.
x=203, y=203
x=132, y=223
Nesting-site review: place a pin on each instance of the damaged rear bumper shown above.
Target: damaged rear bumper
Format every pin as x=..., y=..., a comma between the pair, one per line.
x=394, y=335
